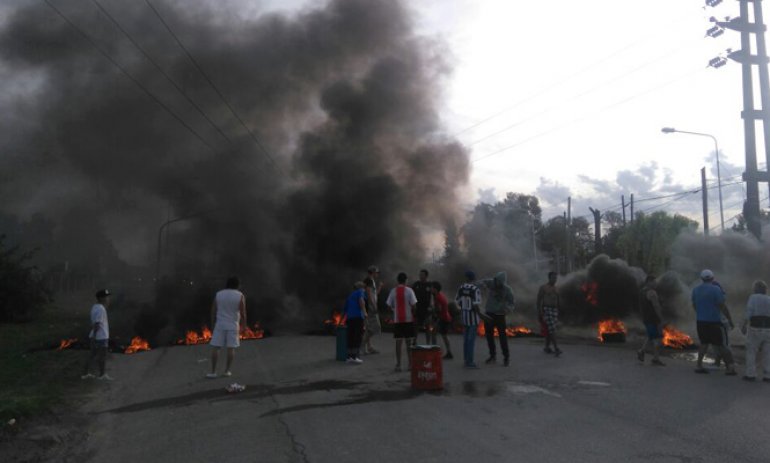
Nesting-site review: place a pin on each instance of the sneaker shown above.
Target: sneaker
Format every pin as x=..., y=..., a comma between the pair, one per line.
x=106, y=377
x=658, y=363
x=701, y=370
x=506, y=362
x=749, y=378
x=211, y=375
x=227, y=373
x=358, y=360
x=640, y=355
x=448, y=356
x=491, y=359
x=88, y=376
x=350, y=360
x=472, y=366
x=548, y=350
x=557, y=352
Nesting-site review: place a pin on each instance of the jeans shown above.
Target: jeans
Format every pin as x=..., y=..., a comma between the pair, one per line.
x=469, y=343
x=757, y=342
x=498, y=321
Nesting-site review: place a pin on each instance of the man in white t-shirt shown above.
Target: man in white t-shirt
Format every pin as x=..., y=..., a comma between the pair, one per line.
x=228, y=316
x=99, y=335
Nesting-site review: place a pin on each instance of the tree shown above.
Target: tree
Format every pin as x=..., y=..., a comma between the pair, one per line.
x=646, y=243
x=22, y=290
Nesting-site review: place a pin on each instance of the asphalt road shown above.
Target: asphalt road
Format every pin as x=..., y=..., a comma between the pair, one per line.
x=594, y=404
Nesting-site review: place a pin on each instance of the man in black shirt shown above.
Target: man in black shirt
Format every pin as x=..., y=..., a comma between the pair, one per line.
x=423, y=317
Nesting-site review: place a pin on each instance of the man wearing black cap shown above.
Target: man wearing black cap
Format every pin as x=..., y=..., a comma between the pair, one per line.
x=99, y=335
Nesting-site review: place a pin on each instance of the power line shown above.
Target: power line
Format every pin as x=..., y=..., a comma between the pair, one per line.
x=568, y=78
x=211, y=83
x=155, y=64
x=576, y=97
x=587, y=116
x=127, y=74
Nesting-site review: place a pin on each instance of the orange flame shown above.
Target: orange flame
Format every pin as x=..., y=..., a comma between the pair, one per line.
x=137, y=344
x=66, y=343
x=256, y=333
x=511, y=331
x=337, y=320
x=610, y=326
x=192, y=337
x=675, y=338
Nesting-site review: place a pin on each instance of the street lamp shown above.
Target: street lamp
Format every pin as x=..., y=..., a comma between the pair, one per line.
x=719, y=174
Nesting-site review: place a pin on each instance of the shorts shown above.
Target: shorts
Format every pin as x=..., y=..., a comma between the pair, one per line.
x=99, y=343
x=444, y=326
x=373, y=325
x=225, y=338
x=551, y=318
x=404, y=330
x=652, y=331
x=711, y=333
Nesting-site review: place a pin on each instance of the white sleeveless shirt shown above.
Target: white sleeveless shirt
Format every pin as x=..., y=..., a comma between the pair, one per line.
x=228, y=314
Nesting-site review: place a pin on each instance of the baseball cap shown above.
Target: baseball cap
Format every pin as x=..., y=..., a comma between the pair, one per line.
x=470, y=275
x=103, y=293
x=373, y=269
x=706, y=275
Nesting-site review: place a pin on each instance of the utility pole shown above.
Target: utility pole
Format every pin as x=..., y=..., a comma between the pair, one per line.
x=570, y=251
x=623, y=203
x=632, y=208
x=597, y=230
x=751, y=115
x=705, y=196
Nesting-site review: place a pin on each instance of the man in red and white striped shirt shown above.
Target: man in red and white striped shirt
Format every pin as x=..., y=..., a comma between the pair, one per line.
x=402, y=301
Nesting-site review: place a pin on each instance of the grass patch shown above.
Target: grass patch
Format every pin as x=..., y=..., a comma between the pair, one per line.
x=34, y=377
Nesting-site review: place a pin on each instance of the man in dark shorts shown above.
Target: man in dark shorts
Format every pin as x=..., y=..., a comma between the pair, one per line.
x=500, y=301
x=653, y=320
x=402, y=302
x=441, y=305
x=423, y=316
x=355, y=313
x=708, y=301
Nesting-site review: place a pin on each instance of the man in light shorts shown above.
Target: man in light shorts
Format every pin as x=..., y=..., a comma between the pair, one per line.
x=228, y=316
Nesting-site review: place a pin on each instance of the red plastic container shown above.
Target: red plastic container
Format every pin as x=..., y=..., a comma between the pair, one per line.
x=427, y=374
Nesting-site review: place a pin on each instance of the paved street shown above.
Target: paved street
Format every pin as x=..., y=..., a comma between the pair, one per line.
x=595, y=403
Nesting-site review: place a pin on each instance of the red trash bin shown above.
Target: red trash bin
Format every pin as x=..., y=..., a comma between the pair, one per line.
x=427, y=374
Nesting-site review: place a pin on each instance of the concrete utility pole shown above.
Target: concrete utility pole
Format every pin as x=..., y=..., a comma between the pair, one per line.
x=705, y=196
x=623, y=203
x=632, y=208
x=750, y=114
x=597, y=229
x=570, y=247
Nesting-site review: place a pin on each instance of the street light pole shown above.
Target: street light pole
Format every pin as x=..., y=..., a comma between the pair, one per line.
x=719, y=170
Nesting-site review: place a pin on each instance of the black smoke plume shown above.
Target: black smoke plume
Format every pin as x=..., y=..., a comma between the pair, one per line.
x=317, y=151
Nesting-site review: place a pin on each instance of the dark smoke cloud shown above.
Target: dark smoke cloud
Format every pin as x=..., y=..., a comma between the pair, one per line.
x=344, y=97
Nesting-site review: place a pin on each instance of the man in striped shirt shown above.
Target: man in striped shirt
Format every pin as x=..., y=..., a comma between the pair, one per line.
x=402, y=301
x=469, y=299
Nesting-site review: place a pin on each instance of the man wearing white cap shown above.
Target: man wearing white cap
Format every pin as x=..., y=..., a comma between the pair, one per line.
x=708, y=301
x=99, y=336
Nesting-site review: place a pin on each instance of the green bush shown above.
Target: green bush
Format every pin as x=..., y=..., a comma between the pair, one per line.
x=23, y=293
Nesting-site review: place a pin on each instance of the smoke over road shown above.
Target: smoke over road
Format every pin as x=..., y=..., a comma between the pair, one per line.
x=310, y=143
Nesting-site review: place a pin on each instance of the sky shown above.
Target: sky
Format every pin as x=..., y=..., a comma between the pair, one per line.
x=567, y=98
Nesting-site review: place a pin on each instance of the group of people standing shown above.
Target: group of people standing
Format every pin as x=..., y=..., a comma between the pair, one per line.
x=713, y=323
x=424, y=306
